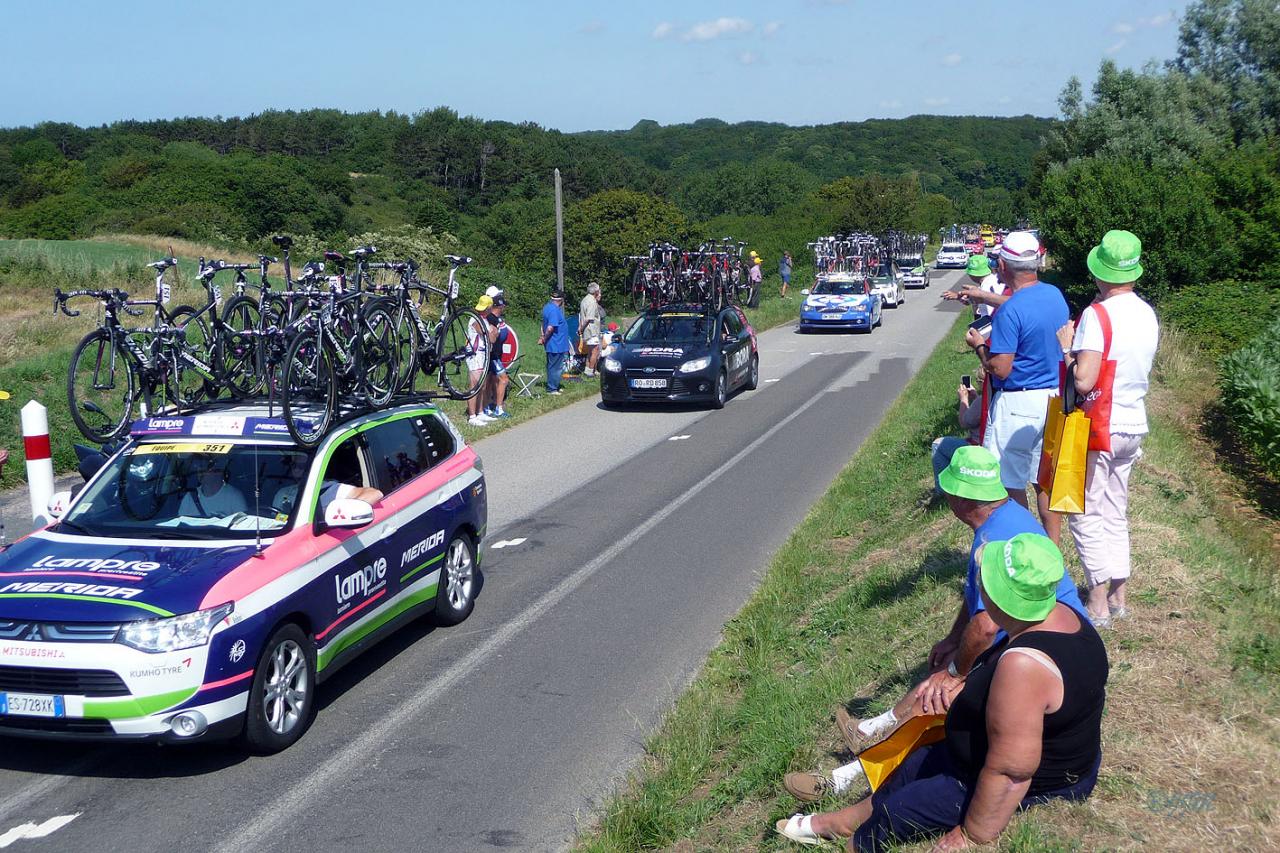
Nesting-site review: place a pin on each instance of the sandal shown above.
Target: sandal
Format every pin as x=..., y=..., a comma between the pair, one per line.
x=799, y=828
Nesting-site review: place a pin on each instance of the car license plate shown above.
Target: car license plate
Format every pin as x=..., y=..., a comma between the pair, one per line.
x=30, y=705
x=648, y=383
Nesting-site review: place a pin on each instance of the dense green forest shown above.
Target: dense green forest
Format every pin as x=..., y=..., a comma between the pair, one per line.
x=487, y=183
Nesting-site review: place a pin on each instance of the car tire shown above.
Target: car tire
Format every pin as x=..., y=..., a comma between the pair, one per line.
x=753, y=374
x=456, y=595
x=721, y=391
x=288, y=658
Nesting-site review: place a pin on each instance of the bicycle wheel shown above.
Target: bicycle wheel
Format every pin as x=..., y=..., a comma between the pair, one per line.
x=407, y=341
x=379, y=352
x=309, y=389
x=101, y=387
x=464, y=365
x=239, y=358
x=194, y=377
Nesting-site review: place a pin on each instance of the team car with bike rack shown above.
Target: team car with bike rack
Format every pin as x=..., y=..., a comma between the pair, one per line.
x=841, y=301
x=213, y=571
x=682, y=354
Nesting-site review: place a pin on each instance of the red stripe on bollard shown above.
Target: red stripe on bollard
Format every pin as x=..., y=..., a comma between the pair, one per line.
x=37, y=446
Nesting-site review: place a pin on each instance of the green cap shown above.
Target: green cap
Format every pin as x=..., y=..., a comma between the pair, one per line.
x=1021, y=575
x=1116, y=259
x=974, y=473
x=978, y=265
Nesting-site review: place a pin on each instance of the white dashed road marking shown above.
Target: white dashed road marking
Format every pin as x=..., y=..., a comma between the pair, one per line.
x=509, y=543
x=678, y=438
x=817, y=353
x=772, y=380
x=36, y=830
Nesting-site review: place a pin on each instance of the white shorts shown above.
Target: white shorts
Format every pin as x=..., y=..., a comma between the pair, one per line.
x=593, y=341
x=1015, y=433
x=477, y=361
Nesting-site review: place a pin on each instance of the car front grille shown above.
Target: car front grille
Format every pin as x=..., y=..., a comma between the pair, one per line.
x=48, y=680
x=58, y=632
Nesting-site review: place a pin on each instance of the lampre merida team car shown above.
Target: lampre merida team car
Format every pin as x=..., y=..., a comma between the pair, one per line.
x=212, y=572
x=679, y=354
x=841, y=301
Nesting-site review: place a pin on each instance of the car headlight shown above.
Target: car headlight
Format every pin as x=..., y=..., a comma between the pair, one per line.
x=695, y=365
x=174, y=632
x=613, y=365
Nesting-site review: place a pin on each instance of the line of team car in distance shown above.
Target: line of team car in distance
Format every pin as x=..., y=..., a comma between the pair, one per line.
x=845, y=301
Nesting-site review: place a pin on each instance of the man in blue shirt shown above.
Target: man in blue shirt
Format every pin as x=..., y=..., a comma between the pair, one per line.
x=1021, y=360
x=555, y=337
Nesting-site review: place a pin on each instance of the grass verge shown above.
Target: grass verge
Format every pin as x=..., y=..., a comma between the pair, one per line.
x=851, y=603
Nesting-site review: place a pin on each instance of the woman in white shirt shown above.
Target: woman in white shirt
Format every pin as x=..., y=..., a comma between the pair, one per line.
x=1101, y=532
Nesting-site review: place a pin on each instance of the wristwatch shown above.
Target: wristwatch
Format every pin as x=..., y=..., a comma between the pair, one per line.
x=952, y=671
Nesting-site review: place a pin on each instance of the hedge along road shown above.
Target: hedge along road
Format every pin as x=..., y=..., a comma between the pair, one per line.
x=629, y=553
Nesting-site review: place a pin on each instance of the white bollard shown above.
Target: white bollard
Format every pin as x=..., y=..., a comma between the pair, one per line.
x=35, y=439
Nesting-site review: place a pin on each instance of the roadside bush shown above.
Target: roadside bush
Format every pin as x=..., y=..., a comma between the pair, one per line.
x=1251, y=396
x=1222, y=316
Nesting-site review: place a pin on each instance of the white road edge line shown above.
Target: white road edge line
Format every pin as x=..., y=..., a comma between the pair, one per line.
x=363, y=750
x=772, y=380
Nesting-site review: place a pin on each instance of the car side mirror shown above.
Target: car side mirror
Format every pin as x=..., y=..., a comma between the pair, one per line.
x=58, y=504
x=348, y=513
x=804, y=292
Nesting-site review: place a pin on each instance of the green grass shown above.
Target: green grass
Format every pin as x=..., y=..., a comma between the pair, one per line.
x=851, y=603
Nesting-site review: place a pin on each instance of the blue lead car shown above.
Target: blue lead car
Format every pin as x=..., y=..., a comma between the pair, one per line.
x=211, y=573
x=841, y=301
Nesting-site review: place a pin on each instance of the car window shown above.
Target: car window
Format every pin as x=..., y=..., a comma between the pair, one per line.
x=345, y=465
x=437, y=440
x=396, y=453
x=732, y=325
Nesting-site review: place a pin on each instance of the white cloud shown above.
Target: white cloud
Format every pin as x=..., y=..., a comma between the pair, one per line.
x=1156, y=21
x=663, y=30
x=1117, y=47
x=592, y=27
x=1122, y=28
x=952, y=59
x=708, y=30
x=894, y=104
x=936, y=102
x=748, y=57
x=771, y=29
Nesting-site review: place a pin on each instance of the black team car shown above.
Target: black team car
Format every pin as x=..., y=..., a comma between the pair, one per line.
x=681, y=354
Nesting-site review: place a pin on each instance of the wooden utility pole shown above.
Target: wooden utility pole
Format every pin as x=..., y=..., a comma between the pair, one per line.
x=559, y=236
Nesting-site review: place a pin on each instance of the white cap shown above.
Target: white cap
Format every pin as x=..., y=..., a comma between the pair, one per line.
x=493, y=291
x=1020, y=246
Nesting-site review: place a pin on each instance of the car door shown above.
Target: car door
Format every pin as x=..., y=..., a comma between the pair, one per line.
x=400, y=455
x=736, y=347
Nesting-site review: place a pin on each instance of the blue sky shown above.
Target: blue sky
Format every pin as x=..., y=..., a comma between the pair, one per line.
x=570, y=64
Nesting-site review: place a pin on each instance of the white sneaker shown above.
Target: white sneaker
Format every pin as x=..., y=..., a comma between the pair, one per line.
x=480, y=420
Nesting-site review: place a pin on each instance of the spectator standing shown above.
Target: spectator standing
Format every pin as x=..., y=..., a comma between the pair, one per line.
x=478, y=341
x=589, y=316
x=983, y=290
x=756, y=275
x=498, y=378
x=555, y=338
x=1021, y=360
x=784, y=270
x=1119, y=327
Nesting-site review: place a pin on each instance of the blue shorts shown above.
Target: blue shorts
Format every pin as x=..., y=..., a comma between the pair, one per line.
x=924, y=797
x=497, y=368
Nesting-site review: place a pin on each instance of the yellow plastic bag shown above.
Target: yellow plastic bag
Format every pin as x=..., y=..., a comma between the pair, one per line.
x=1071, y=464
x=1053, y=420
x=882, y=759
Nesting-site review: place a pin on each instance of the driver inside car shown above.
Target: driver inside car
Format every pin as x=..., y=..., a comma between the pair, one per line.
x=213, y=496
x=330, y=488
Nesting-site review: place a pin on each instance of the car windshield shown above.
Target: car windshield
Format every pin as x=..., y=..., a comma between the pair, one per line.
x=952, y=247
x=909, y=263
x=882, y=275
x=192, y=490
x=668, y=328
x=840, y=288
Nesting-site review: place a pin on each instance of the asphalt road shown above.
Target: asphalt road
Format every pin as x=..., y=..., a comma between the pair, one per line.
x=510, y=729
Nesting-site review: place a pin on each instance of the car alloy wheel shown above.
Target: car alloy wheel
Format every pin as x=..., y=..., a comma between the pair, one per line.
x=457, y=585
x=722, y=391
x=286, y=691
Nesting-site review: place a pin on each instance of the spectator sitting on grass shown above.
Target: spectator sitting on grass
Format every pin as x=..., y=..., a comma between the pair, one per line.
x=969, y=414
x=1025, y=729
x=971, y=483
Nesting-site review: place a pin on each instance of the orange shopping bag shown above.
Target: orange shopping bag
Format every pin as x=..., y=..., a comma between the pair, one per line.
x=882, y=759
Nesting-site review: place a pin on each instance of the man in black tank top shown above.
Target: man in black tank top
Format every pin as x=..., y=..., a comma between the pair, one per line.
x=1040, y=692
